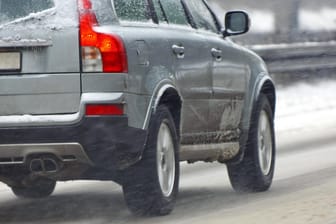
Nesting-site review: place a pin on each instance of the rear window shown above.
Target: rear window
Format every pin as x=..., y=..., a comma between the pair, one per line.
x=10, y=10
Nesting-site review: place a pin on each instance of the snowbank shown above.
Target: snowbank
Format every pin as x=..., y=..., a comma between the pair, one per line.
x=306, y=106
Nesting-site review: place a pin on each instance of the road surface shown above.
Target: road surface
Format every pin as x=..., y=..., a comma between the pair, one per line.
x=303, y=190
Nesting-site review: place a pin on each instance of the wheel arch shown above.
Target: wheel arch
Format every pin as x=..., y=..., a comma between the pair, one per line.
x=167, y=95
x=266, y=86
x=172, y=100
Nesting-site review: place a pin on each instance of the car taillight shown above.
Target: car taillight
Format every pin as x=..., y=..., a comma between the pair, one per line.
x=101, y=52
x=104, y=110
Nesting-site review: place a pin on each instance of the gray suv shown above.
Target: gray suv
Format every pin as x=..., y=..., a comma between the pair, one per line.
x=124, y=90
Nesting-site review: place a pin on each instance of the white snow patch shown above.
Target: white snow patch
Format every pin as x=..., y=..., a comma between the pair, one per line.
x=306, y=98
x=306, y=106
x=323, y=19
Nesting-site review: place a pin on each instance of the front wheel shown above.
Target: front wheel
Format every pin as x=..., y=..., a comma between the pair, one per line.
x=151, y=186
x=255, y=172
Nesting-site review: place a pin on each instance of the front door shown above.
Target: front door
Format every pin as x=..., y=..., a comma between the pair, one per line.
x=229, y=76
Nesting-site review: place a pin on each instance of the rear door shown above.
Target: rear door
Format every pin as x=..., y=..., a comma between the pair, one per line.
x=39, y=57
x=192, y=69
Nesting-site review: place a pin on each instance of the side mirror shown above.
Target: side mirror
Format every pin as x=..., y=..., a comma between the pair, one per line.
x=236, y=23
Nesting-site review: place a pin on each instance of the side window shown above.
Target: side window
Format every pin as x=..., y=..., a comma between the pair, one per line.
x=131, y=10
x=104, y=12
x=159, y=12
x=201, y=15
x=174, y=11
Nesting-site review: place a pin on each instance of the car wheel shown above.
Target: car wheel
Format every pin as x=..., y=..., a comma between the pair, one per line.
x=39, y=188
x=255, y=172
x=151, y=186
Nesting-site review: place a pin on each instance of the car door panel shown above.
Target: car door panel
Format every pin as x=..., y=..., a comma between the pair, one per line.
x=230, y=77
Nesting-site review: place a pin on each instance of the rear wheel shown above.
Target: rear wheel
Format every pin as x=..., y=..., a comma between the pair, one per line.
x=151, y=186
x=255, y=172
x=39, y=188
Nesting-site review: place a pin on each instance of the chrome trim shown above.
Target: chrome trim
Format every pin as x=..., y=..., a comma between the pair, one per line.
x=60, y=150
x=212, y=152
x=154, y=101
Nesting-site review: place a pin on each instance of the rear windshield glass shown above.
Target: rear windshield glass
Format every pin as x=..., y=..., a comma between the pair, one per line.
x=11, y=10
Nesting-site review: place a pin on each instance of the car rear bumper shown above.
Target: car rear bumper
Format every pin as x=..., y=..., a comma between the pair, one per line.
x=102, y=141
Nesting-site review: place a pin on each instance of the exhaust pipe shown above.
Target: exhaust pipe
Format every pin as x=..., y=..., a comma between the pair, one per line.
x=44, y=165
x=36, y=165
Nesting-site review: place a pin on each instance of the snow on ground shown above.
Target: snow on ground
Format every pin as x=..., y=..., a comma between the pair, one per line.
x=306, y=106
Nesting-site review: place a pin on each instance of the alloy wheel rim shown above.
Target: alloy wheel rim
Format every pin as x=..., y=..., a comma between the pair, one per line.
x=265, y=145
x=165, y=160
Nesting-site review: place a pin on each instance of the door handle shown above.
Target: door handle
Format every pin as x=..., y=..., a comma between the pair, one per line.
x=217, y=54
x=178, y=51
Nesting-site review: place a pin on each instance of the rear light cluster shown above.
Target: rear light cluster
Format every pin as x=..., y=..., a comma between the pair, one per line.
x=101, y=52
x=104, y=109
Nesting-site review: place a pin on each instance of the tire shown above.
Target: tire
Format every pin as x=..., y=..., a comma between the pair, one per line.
x=151, y=185
x=255, y=172
x=40, y=188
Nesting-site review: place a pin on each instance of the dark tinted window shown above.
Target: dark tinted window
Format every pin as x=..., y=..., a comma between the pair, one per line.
x=201, y=15
x=14, y=9
x=174, y=11
x=131, y=10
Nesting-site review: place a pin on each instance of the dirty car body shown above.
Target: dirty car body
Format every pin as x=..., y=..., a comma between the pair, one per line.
x=85, y=84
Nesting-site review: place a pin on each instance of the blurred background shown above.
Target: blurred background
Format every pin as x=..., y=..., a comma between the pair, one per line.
x=296, y=38
x=285, y=21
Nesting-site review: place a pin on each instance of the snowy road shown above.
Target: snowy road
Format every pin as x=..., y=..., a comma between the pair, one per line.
x=303, y=190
